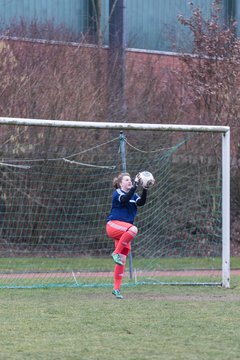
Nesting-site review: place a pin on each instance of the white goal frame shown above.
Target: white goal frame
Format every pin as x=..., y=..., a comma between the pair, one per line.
x=224, y=130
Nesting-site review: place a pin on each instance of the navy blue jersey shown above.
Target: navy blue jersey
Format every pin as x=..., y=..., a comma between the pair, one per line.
x=123, y=211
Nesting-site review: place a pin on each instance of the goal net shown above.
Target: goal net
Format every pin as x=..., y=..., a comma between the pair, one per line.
x=55, y=195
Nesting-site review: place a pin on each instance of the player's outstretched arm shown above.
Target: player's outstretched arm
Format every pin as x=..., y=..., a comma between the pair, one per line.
x=142, y=200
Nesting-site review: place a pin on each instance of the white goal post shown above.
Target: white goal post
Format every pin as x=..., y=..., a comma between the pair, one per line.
x=223, y=130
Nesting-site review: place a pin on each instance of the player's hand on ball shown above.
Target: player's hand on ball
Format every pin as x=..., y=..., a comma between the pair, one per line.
x=137, y=179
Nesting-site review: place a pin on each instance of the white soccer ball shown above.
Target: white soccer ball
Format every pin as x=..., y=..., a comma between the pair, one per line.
x=146, y=179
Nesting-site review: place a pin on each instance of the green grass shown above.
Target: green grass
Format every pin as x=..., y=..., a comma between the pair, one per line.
x=98, y=264
x=152, y=322
x=73, y=266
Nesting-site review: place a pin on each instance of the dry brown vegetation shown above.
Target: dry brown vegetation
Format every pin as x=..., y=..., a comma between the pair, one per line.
x=72, y=82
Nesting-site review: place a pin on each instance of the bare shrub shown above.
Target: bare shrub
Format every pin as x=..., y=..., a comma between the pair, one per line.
x=51, y=82
x=211, y=76
x=152, y=92
x=35, y=29
x=211, y=83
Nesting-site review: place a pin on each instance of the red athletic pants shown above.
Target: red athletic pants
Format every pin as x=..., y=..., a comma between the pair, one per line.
x=122, y=233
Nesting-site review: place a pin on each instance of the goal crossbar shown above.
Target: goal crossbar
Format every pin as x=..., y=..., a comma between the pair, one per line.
x=113, y=125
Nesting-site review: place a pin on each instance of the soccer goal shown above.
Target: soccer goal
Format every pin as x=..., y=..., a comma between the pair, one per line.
x=55, y=195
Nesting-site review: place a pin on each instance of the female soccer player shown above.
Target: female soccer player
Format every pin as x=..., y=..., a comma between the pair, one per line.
x=120, y=226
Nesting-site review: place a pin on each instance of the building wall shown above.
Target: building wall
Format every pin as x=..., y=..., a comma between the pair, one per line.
x=153, y=24
x=72, y=13
x=149, y=24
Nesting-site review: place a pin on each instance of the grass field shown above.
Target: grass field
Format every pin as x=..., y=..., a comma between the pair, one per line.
x=15, y=264
x=151, y=322
x=82, y=271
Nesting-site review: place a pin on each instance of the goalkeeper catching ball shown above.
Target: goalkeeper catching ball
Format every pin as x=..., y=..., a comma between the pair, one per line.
x=120, y=221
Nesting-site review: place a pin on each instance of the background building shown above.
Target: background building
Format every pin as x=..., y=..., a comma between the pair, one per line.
x=148, y=24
